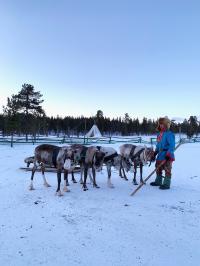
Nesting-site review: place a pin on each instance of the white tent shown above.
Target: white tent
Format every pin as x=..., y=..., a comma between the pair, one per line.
x=94, y=132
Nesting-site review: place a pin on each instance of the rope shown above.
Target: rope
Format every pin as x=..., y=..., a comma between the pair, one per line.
x=78, y=125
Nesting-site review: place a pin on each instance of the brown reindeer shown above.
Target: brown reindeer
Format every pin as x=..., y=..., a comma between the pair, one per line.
x=54, y=156
x=139, y=156
x=89, y=157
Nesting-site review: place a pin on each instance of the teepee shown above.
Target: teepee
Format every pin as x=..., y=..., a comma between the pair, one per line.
x=94, y=132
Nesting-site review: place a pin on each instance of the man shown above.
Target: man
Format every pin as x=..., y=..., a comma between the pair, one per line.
x=164, y=149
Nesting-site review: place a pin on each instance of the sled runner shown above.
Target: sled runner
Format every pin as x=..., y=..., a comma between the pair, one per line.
x=49, y=169
x=30, y=160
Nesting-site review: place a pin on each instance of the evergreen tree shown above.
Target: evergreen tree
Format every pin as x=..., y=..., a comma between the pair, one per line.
x=2, y=124
x=144, y=126
x=193, y=126
x=100, y=121
x=137, y=126
x=126, y=122
x=29, y=101
x=12, y=117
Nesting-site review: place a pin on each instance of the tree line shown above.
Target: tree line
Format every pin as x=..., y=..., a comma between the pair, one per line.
x=23, y=115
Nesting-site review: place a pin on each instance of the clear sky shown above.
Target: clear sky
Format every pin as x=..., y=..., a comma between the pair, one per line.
x=140, y=57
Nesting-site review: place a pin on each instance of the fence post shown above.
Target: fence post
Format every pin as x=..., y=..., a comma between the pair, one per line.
x=57, y=132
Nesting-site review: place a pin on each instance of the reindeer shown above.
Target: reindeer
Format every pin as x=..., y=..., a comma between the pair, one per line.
x=54, y=156
x=139, y=155
x=89, y=157
x=112, y=158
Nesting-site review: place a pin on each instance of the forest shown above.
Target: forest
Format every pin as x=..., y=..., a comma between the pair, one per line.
x=23, y=115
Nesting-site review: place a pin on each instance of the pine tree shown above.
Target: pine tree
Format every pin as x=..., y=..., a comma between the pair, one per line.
x=12, y=117
x=100, y=120
x=137, y=126
x=2, y=124
x=29, y=101
x=126, y=122
x=193, y=126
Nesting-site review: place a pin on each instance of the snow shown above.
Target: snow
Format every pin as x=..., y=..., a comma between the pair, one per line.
x=100, y=226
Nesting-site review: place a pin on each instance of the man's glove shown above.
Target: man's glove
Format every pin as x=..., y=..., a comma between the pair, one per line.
x=154, y=155
x=167, y=157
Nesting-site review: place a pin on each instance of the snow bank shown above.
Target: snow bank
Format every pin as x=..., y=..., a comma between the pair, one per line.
x=99, y=226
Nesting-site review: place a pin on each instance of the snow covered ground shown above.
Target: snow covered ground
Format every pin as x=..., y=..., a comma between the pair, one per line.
x=100, y=226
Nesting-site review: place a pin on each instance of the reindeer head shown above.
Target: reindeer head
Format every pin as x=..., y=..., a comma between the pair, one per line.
x=127, y=164
x=70, y=160
x=149, y=153
x=98, y=160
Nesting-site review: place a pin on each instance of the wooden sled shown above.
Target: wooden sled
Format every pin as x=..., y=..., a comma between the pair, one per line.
x=29, y=160
x=49, y=169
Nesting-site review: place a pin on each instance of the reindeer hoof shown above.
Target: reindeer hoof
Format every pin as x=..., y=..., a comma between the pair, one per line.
x=46, y=184
x=96, y=186
x=67, y=184
x=85, y=188
x=74, y=181
x=125, y=178
x=110, y=185
x=66, y=189
x=59, y=194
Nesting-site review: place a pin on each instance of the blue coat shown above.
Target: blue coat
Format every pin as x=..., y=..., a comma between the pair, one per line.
x=167, y=142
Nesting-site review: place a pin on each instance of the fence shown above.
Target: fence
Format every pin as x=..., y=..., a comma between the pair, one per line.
x=87, y=141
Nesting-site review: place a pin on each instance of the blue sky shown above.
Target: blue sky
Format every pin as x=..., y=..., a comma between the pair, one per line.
x=137, y=57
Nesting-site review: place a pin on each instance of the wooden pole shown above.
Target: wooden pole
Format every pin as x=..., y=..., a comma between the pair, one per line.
x=156, y=169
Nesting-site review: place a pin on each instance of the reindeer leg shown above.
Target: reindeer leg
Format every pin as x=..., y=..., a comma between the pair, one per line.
x=33, y=172
x=135, y=172
x=94, y=178
x=66, y=181
x=44, y=179
x=85, y=178
x=141, y=168
x=120, y=172
x=125, y=178
x=109, y=164
x=58, y=192
x=73, y=179
x=91, y=179
x=66, y=177
x=81, y=178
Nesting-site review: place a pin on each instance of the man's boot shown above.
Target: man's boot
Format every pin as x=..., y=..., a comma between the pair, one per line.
x=166, y=183
x=157, y=182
